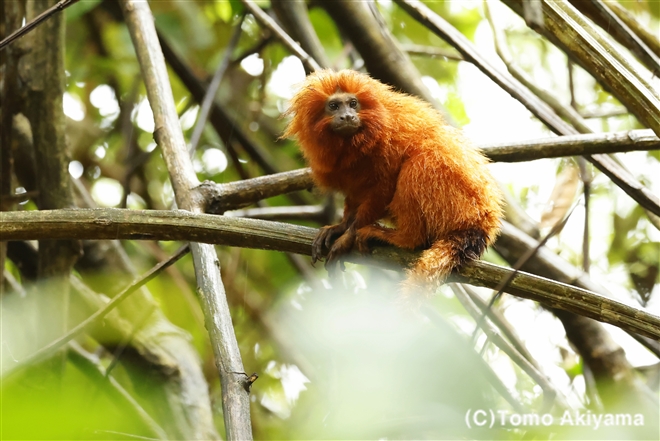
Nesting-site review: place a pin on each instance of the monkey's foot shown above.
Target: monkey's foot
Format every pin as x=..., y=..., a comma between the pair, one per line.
x=324, y=239
x=342, y=246
x=373, y=235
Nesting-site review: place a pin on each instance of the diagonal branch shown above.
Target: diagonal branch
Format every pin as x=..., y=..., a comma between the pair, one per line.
x=606, y=17
x=90, y=365
x=295, y=18
x=648, y=107
x=568, y=29
x=528, y=366
x=310, y=63
x=83, y=326
x=168, y=135
x=58, y=7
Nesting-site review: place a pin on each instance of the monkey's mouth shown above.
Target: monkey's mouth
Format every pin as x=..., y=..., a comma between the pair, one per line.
x=346, y=128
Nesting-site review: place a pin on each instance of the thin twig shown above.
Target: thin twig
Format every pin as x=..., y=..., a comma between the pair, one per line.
x=432, y=51
x=54, y=346
x=310, y=63
x=523, y=260
x=550, y=393
x=213, y=87
x=90, y=365
x=123, y=344
x=500, y=322
x=58, y=7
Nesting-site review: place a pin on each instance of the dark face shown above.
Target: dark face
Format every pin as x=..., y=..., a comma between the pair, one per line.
x=344, y=108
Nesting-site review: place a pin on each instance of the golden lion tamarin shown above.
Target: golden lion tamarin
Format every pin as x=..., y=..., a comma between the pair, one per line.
x=394, y=158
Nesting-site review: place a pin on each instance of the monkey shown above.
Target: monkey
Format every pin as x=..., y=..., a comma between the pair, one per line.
x=395, y=159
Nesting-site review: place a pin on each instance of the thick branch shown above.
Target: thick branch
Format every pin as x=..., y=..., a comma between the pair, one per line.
x=252, y=233
x=574, y=145
x=578, y=38
x=167, y=132
x=240, y=194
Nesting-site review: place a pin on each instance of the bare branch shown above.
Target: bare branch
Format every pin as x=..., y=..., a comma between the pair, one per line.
x=432, y=51
x=168, y=135
x=58, y=7
x=295, y=18
x=252, y=233
x=574, y=145
x=550, y=393
x=310, y=64
x=629, y=81
x=238, y=194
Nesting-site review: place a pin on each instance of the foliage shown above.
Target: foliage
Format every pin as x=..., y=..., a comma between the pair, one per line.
x=354, y=362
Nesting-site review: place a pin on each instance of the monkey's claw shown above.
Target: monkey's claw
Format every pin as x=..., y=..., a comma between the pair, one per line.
x=334, y=263
x=324, y=240
x=342, y=246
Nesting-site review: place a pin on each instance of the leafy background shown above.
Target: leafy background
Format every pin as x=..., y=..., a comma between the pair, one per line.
x=353, y=362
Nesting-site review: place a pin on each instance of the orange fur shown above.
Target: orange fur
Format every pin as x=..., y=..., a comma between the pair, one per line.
x=404, y=164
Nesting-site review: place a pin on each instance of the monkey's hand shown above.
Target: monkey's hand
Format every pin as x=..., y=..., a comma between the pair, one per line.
x=324, y=240
x=342, y=246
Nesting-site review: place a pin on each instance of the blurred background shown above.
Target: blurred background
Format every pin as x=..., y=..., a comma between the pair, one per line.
x=348, y=359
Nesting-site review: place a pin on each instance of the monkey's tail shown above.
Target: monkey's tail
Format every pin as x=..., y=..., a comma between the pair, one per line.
x=444, y=255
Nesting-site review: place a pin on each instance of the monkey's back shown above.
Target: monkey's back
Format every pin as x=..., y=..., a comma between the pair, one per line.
x=444, y=184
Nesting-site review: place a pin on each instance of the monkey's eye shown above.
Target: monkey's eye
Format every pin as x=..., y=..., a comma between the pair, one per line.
x=332, y=105
x=353, y=103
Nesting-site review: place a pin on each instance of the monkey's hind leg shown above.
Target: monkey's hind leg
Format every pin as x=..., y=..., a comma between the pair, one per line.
x=372, y=235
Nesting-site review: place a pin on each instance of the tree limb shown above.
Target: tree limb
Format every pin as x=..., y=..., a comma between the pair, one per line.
x=168, y=135
x=251, y=233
